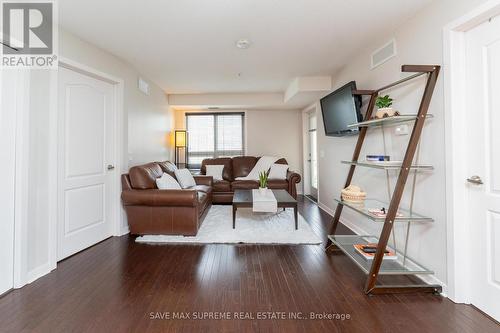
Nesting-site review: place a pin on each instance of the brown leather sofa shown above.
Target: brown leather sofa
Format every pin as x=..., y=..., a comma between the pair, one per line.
x=166, y=212
x=223, y=190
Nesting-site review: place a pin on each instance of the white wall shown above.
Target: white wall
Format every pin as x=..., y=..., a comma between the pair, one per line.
x=419, y=41
x=274, y=132
x=148, y=118
x=147, y=123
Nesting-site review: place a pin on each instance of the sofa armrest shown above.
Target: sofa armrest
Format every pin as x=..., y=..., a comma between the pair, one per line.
x=184, y=198
x=293, y=179
x=204, y=180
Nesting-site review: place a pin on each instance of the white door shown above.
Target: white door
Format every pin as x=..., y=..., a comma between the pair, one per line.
x=483, y=158
x=313, y=158
x=86, y=155
x=8, y=96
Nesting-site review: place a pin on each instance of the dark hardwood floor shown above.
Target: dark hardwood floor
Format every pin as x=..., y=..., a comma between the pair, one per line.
x=117, y=285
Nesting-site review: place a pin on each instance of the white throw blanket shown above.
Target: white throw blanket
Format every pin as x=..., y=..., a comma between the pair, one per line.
x=263, y=164
x=264, y=202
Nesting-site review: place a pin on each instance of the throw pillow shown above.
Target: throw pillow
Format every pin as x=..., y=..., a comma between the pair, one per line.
x=185, y=178
x=278, y=171
x=167, y=182
x=215, y=171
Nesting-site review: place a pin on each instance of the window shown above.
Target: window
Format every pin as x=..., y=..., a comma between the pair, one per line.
x=213, y=135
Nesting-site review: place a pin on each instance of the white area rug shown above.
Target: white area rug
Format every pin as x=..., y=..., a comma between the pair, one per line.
x=251, y=228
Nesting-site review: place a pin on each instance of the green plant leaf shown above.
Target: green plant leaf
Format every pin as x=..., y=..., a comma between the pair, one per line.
x=383, y=101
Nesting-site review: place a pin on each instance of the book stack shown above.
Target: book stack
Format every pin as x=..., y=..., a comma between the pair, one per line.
x=381, y=212
x=367, y=251
x=377, y=158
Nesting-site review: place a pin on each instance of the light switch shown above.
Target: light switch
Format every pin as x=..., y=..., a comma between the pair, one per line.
x=322, y=153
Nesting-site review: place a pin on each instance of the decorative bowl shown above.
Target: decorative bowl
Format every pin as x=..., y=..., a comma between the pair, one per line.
x=385, y=113
x=354, y=194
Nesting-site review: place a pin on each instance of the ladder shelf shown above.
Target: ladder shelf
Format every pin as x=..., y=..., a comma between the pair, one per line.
x=378, y=265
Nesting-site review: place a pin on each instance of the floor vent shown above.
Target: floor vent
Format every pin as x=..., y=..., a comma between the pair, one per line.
x=384, y=53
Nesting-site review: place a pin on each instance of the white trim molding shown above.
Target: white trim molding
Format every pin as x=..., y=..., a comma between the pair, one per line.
x=455, y=125
x=306, y=167
x=21, y=180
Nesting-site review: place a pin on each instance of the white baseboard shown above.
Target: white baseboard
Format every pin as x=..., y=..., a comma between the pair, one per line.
x=427, y=278
x=326, y=208
x=123, y=231
x=35, y=274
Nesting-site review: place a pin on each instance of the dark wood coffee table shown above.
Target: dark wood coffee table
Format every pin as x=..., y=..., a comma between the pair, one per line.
x=244, y=199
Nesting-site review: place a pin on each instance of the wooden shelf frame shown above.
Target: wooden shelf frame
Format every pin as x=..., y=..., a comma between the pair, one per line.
x=432, y=73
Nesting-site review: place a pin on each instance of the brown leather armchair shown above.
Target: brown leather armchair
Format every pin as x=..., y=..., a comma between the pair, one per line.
x=168, y=212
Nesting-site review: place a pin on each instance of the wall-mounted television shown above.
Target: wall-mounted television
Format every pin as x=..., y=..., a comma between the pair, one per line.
x=340, y=109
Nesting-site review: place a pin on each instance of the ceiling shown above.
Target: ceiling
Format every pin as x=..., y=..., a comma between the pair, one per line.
x=188, y=46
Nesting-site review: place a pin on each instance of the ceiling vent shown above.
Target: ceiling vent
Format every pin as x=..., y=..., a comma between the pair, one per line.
x=384, y=53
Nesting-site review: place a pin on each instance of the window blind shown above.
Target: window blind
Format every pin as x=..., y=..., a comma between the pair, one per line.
x=212, y=135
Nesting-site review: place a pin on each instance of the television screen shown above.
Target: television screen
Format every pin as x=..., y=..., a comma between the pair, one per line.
x=340, y=109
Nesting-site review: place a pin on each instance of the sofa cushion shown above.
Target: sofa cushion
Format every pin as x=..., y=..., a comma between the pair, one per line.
x=168, y=167
x=215, y=171
x=202, y=201
x=244, y=184
x=201, y=188
x=143, y=177
x=227, y=173
x=167, y=182
x=221, y=186
x=185, y=178
x=278, y=171
x=277, y=184
x=203, y=180
x=242, y=165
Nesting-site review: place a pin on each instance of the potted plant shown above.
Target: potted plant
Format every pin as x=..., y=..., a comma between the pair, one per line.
x=262, y=182
x=385, y=110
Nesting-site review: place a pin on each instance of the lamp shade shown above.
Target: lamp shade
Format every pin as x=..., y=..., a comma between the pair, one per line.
x=180, y=138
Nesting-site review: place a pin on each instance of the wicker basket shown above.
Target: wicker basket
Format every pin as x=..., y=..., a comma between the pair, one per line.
x=354, y=194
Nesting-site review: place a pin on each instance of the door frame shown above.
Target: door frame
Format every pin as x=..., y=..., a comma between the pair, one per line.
x=455, y=114
x=306, y=147
x=17, y=171
x=119, y=225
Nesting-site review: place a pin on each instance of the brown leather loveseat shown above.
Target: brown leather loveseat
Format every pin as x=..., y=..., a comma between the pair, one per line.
x=241, y=166
x=166, y=212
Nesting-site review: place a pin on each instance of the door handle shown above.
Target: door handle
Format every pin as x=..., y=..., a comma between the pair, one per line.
x=475, y=180
x=111, y=167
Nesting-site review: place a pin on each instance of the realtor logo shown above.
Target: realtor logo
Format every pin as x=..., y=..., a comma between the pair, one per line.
x=29, y=34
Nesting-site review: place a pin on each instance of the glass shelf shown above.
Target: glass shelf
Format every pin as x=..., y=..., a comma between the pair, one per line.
x=388, y=166
x=388, y=267
x=387, y=121
x=363, y=208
